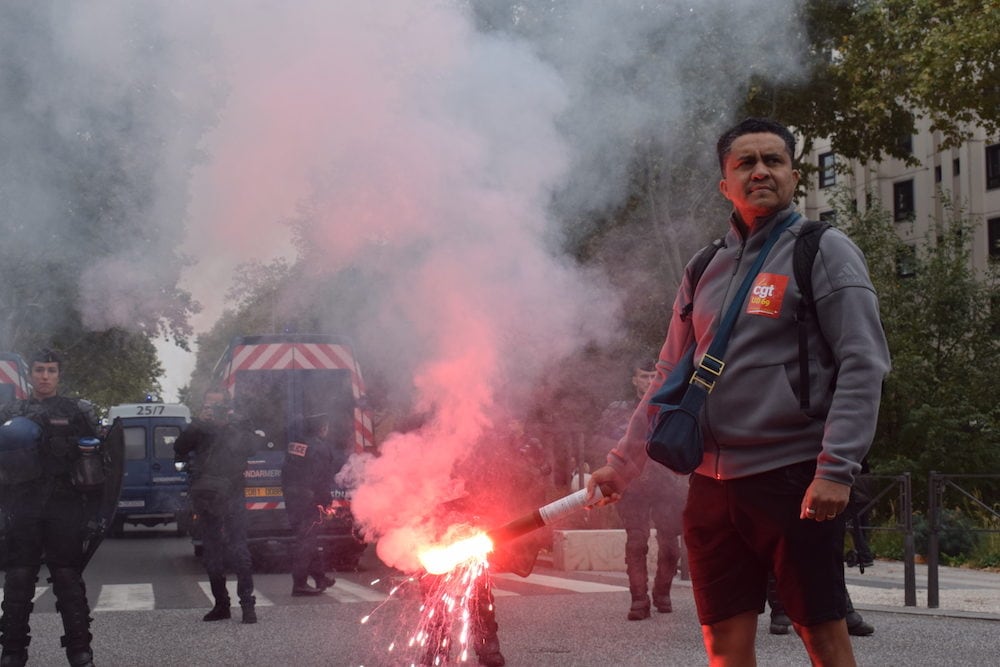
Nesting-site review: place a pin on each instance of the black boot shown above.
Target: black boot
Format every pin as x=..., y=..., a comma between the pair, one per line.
x=668, y=555
x=220, y=611
x=249, y=612
x=244, y=588
x=301, y=587
x=856, y=625
x=636, y=548
x=639, y=609
x=323, y=582
x=71, y=603
x=780, y=623
x=484, y=635
x=18, y=590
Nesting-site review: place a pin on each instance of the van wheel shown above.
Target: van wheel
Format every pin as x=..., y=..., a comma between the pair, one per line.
x=118, y=527
x=198, y=550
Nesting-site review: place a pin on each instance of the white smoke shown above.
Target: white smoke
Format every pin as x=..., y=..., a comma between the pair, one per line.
x=439, y=136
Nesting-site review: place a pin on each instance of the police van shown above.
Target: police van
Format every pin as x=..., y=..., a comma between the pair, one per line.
x=271, y=382
x=153, y=491
x=13, y=378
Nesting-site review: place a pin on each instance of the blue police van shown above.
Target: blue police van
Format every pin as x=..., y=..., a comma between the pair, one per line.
x=154, y=492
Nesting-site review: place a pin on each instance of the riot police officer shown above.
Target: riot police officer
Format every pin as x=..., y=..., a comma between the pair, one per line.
x=215, y=447
x=47, y=506
x=306, y=477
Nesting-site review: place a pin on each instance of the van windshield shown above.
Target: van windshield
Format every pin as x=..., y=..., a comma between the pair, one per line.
x=164, y=438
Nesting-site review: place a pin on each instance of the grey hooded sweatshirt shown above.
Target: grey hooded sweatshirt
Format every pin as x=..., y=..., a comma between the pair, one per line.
x=752, y=421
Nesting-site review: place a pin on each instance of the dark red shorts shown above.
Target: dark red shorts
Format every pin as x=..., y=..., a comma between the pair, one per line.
x=736, y=530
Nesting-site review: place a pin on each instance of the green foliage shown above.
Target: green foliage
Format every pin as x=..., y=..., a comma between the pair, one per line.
x=987, y=555
x=878, y=65
x=110, y=367
x=938, y=412
x=956, y=537
x=887, y=544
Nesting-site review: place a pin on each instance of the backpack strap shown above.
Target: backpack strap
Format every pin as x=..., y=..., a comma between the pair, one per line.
x=804, y=254
x=698, y=266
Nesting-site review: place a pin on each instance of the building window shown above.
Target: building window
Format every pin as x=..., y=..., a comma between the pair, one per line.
x=828, y=216
x=902, y=201
x=993, y=234
x=906, y=144
x=906, y=262
x=956, y=167
x=937, y=174
x=993, y=167
x=827, y=170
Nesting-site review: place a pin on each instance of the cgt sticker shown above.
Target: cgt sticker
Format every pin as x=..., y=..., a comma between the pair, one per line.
x=767, y=294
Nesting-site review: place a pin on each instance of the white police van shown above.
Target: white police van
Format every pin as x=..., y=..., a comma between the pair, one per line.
x=153, y=490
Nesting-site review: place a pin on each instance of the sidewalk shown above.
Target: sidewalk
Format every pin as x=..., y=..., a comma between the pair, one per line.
x=962, y=593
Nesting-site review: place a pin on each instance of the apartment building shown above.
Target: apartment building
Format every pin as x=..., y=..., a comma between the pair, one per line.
x=968, y=175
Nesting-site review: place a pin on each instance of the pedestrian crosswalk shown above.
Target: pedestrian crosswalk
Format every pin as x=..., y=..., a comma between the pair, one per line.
x=125, y=597
x=275, y=590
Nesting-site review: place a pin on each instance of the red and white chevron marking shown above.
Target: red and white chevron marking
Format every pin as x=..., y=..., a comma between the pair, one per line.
x=9, y=375
x=266, y=506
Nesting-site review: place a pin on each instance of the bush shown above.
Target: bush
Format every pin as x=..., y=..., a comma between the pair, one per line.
x=887, y=544
x=955, y=536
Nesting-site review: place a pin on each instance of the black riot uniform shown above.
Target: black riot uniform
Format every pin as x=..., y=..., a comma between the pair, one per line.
x=216, y=452
x=656, y=497
x=306, y=477
x=47, y=517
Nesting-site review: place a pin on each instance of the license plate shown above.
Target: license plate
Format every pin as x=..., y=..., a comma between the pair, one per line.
x=131, y=503
x=262, y=491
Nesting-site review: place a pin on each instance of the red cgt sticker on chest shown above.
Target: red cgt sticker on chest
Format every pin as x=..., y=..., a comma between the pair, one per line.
x=766, y=295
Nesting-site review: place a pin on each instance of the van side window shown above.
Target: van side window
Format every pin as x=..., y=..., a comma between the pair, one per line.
x=163, y=441
x=135, y=443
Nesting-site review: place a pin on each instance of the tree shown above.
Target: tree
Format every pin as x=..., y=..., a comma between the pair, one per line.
x=93, y=190
x=876, y=66
x=112, y=367
x=938, y=411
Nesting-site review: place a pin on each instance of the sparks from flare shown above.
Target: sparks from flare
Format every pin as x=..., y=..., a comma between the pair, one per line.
x=445, y=627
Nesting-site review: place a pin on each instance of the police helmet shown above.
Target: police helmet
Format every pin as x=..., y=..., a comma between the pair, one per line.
x=19, y=433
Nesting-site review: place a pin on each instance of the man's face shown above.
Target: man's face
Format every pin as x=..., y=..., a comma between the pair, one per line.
x=641, y=380
x=44, y=378
x=758, y=176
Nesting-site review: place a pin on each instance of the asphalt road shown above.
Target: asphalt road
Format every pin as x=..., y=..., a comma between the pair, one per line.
x=149, y=594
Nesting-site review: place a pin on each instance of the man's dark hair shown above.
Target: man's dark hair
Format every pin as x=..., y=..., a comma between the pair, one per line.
x=753, y=126
x=45, y=356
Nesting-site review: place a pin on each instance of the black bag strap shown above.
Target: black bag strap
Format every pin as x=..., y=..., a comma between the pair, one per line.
x=707, y=372
x=806, y=248
x=698, y=266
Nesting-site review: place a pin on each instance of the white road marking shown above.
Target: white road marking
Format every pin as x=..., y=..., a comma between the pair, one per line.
x=346, y=591
x=126, y=597
x=38, y=592
x=559, y=582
